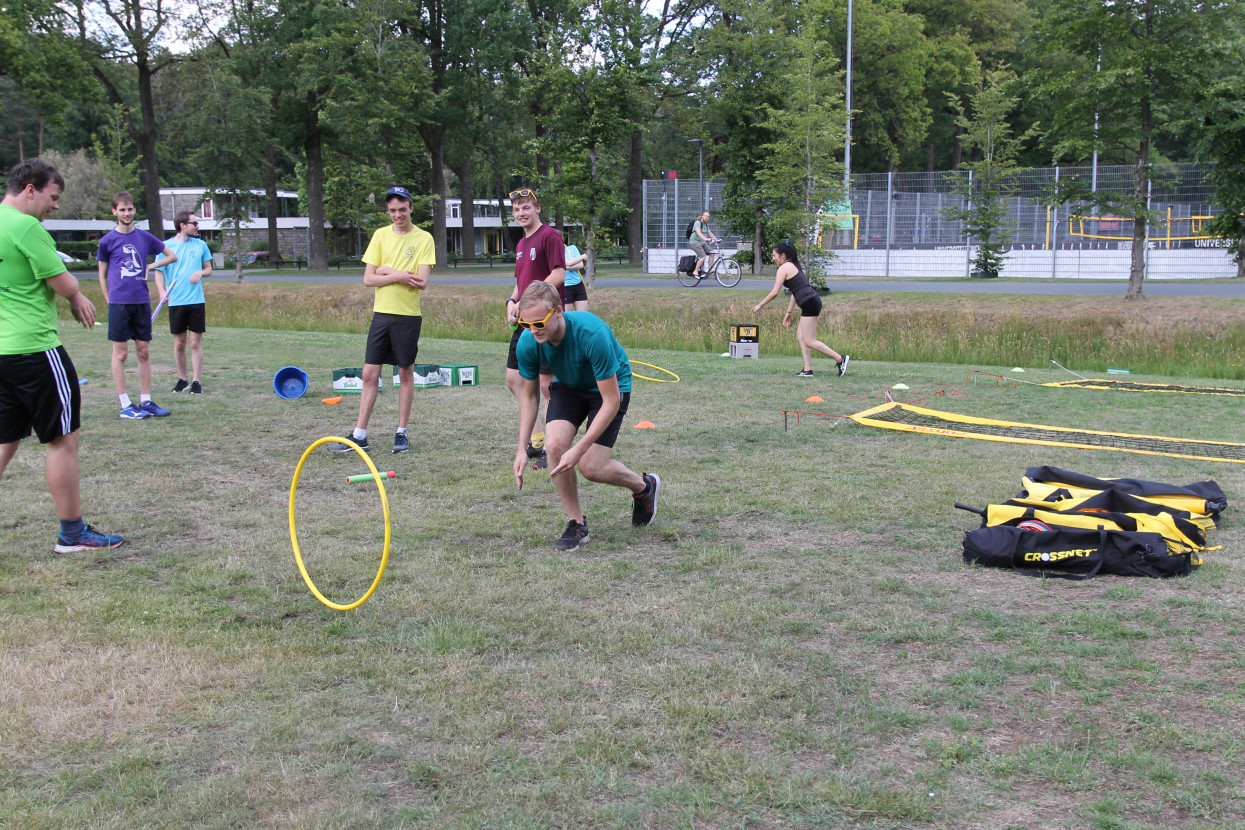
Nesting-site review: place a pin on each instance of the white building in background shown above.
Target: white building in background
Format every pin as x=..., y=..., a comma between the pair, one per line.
x=495, y=234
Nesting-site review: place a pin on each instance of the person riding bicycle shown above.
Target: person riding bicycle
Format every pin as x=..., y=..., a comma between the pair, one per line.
x=699, y=240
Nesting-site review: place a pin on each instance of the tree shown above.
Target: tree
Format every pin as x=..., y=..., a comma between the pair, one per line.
x=802, y=174
x=88, y=185
x=1223, y=148
x=752, y=45
x=992, y=180
x=233, y=113
x=131, y=32
x=1152, y=53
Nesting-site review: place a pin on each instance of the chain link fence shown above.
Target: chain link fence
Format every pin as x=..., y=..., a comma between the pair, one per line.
x=896, y=225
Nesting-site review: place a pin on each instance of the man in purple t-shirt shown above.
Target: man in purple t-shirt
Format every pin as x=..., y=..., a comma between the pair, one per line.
x=540, y=256
x=122, y=256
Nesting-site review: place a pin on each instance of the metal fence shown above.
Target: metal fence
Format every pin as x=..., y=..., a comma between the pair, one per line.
x=896, y=224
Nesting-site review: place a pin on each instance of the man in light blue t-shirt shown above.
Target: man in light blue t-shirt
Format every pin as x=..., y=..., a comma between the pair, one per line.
x=187, y=305
x=592, y=382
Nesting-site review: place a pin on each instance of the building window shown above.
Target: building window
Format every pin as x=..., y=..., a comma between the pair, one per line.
x=205, y=209
x=453, y=211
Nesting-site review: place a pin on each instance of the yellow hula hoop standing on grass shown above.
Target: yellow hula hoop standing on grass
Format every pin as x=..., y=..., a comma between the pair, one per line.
x=658, y=368
x=384, y=503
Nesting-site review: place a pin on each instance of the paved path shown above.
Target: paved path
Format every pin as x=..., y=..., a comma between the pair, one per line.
x=1153, y=289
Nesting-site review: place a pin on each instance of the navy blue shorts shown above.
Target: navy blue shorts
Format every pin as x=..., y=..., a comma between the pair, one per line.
x=38, y=391
x=567, y=404
x=129, y=321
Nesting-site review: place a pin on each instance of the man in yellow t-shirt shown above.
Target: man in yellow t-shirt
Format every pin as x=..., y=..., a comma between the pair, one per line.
x=398, y=261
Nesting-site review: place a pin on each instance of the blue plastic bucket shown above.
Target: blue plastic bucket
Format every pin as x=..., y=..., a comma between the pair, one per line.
x=290, y=382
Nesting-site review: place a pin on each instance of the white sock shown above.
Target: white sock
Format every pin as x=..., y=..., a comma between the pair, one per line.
x=144, y=398
x=401, y=430
x=125, y=401
x=359, y=434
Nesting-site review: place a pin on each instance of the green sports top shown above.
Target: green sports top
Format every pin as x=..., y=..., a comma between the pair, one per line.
x=28, y=259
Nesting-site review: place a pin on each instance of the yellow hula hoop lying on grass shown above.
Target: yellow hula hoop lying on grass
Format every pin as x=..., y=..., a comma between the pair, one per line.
x=658, y=368
x=384, y=503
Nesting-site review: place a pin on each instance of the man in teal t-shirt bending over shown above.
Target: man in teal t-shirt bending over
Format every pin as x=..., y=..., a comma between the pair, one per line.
x=38, y=384
x=592, y=382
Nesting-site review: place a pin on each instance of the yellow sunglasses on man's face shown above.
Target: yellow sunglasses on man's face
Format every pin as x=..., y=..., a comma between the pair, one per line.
x=537, y=324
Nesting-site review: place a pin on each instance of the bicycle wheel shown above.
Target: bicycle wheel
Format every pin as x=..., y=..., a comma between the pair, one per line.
x=728, y=272
x=688, y=279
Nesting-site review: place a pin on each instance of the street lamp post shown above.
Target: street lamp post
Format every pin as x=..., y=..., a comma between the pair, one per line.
x=700, y=145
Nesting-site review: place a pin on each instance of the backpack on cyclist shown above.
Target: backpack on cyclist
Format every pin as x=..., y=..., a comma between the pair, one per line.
x=687, y=264
x=687, y=234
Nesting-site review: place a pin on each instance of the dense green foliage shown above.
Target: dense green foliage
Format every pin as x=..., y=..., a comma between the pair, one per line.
x=586, y=98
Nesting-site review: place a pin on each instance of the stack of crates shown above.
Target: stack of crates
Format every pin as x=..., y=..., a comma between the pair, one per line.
x=745, y=340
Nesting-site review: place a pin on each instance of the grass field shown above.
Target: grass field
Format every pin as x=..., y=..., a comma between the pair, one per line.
x=795, y=642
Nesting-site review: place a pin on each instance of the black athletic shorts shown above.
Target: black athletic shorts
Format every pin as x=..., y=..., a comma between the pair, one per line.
x=393, y=338
x=810, y=307
x=512, y=359
x=567, y=404
x=38, y=391
x=575, y=293
x=183, y=318
x=129, y=321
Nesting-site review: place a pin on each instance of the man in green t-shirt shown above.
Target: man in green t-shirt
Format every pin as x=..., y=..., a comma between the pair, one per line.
x=38, y=383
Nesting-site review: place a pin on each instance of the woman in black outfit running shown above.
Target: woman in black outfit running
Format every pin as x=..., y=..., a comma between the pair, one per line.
x=791, y=276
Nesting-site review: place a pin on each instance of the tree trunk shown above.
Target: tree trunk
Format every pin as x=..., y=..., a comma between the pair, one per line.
x=590, y=235
x=467, y=211
x=313, y=146
x=147, y=149
x=272, y=205
x=758, y=242
x=635, y=199
x=434, y=140
x=1141, y=188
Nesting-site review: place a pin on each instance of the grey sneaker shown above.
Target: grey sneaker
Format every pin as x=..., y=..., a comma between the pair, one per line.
x=400, y=443
x=842, y=364
x=362, y=442
x=644, y=510
x=576, y=533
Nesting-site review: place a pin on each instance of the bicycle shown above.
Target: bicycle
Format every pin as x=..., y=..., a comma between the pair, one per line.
x=725, y=270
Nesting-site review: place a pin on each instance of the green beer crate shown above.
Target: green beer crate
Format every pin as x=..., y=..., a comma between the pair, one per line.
x=460, y=374
x=427, y=376
x=350, y=382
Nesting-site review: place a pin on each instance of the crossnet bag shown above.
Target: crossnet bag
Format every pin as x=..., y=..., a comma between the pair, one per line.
x=1074, y=553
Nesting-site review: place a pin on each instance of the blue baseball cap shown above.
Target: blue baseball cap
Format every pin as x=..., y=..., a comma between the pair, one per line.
x=398, y=191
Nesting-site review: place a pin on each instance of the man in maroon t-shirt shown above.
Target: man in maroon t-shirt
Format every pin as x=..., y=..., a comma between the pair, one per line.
x=540, y=257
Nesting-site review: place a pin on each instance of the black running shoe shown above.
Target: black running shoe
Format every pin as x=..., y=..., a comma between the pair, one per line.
x=644, y=510
x=196, y=389
x=400, y=443
x=181, y=385
x=538, y=458
x=807, y=373
x=362, y=442
x=576, y=533
x=842, y=364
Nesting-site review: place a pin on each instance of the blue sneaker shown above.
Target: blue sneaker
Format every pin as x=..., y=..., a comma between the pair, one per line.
x=88, y=539
x=133, y=413
x=155, y=411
